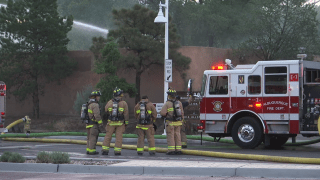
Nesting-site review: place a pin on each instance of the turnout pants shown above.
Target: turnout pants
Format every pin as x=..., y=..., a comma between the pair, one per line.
x=88, y=135
x=145, y=131
x=173, y=137
x=119, y=130
x=183, y=134
x=93, y=137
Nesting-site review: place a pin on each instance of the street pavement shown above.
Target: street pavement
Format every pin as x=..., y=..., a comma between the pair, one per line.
x=129, y=163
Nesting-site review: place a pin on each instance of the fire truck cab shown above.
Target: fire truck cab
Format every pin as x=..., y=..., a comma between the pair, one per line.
x=2, y=104
x=268, y=102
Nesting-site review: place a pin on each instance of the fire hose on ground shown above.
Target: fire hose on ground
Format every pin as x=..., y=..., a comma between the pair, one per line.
x=163, y=150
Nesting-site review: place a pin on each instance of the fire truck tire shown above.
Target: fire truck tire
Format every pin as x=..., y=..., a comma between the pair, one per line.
x=277, y=141
x=247, y=133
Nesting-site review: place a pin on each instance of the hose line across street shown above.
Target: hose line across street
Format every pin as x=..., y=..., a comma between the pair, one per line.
x=13, y=137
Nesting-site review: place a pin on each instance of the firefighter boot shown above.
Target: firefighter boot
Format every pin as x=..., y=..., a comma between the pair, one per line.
x=93, y=153
x=104, y=152
x=178, y=152
x=117, y=153
x=152, y=153
x=171, y=153
x=140, y=153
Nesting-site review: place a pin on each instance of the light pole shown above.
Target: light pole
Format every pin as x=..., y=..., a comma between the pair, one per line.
x=161, y=19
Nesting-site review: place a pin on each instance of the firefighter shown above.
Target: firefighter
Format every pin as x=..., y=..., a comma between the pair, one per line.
x=146, y=114
x=184, y=123
x=94, y=122
x=173, y=113
x=27, y=125
x=118, y=118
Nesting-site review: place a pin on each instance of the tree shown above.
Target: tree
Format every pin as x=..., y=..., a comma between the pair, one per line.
x=97, y=12
x=33, y=40
x=280, y=28
x=143, y=41
x=108, y=64
x=213, y=23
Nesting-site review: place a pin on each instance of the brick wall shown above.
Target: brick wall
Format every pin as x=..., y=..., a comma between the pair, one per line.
x=59, y=99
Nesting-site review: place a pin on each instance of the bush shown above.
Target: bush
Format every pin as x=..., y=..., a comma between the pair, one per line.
x=16, y=158
x=5, y=156
x=82, y=98
x=54, y=157
x=43, y=157
x=59, y=157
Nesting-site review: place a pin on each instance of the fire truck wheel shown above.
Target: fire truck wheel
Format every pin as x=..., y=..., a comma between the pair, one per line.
x=277, y=142
x=247, y=133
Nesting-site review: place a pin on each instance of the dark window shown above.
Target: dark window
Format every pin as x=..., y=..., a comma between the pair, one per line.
x=276, y=80
x=273, y=70
x=218, y=85
x=254, y=84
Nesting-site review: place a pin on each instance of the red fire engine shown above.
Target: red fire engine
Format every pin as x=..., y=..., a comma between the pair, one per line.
x=268, y=102
x=2, y=103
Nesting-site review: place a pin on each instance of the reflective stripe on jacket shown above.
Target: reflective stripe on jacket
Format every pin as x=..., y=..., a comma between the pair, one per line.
x=168, y=110
x=151, y=110
x=94, y=112
x=122, y=109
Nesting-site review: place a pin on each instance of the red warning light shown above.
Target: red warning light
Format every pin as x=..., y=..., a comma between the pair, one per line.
x=3, y=87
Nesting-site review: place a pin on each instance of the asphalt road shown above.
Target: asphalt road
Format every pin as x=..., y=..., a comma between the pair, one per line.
x=79, y=151
x=56, y=176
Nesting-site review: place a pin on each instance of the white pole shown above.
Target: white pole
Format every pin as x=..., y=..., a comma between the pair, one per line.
x=166, y=49
x=166, y=55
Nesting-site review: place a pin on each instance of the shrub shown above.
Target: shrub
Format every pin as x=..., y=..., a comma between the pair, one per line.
x=59, y=157
x=5, y=156
x=43, y=157
x=82, y=98
x=16, y=158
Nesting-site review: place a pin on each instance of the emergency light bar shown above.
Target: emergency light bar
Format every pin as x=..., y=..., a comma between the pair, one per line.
x=218, y=67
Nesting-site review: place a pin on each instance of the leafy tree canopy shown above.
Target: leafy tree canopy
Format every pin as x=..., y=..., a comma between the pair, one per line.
x=280, y=28
x=108, y=64
x=143, y=41
x=33, y=40
x=98, y=12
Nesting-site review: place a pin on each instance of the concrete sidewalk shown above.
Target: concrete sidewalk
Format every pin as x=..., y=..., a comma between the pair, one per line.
x=176, y=168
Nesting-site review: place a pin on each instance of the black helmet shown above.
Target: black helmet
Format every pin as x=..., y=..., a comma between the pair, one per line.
x=117, y=92
x=95, y=93
x=178, y=97
x=171, y=92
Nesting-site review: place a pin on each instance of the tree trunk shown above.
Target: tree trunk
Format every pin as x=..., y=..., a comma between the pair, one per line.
x=35, y=97
x=138, y=78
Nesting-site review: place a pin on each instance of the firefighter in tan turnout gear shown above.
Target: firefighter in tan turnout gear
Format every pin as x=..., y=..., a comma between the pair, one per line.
x=94, y=122
x=184, y=123
x=173, y=112
x=146, y=114
x=118, y=118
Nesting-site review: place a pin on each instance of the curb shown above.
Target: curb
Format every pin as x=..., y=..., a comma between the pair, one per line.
x=176, y=171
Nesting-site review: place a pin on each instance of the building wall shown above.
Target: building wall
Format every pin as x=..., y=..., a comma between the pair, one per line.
x=59, y=99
